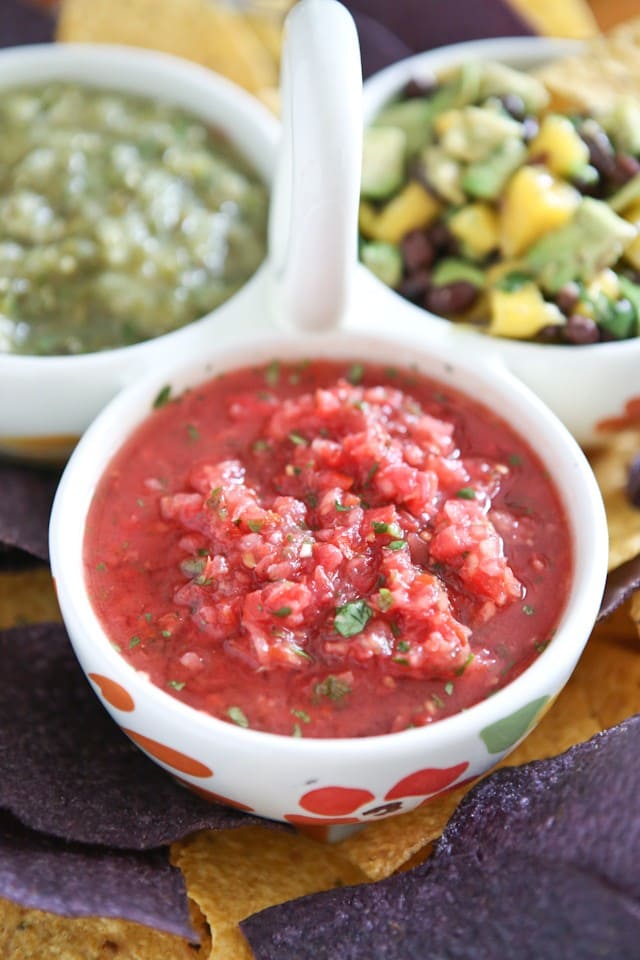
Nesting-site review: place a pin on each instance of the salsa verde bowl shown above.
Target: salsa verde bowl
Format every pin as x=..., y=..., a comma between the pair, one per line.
x=584, y=385
x=47, y=401
x=332, y=779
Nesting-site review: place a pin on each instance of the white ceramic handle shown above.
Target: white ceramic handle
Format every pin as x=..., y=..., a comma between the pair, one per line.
x=314, y=207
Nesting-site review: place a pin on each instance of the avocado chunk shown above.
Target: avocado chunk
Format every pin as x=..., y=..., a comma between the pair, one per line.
x=593, y=239
x=443, y=174
x=622, y=123
x=496, y=79
x=383, y=152
x=414, y=117
x=384, y=260
x=485, y=179
x=472, y=134
x=454, y=270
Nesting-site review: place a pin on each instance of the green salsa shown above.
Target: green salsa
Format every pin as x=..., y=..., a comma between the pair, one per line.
x=121, y=218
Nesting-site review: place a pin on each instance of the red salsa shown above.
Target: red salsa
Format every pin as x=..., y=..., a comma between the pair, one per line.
x=327, y=550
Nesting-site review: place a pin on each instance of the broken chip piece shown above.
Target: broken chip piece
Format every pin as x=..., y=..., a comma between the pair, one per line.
x=79, y=880
x=25, y=505
x=65, y=767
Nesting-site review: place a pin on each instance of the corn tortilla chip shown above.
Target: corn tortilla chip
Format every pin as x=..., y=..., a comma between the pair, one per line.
x=27, y=597
x=36, y=935
x=232, y=874
x=611, y=468
x=570, y=18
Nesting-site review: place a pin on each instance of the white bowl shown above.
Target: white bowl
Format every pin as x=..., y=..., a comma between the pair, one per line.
x=46, y=402
x=271, y=774
x=584, y=386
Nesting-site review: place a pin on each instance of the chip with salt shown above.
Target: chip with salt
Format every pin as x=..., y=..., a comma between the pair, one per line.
x=551, y=877
x=77, y=880
x=65, y=767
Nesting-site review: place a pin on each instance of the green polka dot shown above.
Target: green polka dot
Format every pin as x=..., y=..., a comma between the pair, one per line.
x=502, y=734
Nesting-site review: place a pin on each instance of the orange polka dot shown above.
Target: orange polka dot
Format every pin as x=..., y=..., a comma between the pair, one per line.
x=214, y=797
x=173, y=758
x=301, y=821
x=335, y=801
x=430, y=780
x=113, y=693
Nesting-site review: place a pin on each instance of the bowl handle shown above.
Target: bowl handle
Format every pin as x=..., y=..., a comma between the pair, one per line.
x=314, y=207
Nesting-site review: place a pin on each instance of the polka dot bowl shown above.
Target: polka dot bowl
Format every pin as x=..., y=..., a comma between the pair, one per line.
x=331, y=782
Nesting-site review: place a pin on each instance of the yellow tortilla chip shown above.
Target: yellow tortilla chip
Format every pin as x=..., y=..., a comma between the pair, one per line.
x=569, y=18
x=611, y=466
x=214, y=35
x=34, y=935
x=604, y=70
x=27, y=597
x=232, y=874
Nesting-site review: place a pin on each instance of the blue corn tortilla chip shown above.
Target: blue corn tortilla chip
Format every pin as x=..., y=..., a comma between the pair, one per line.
x=65, y=767
x=621, y=583
x=76, y=880
x=26, y=495
x=538, y=861
x=459, y=909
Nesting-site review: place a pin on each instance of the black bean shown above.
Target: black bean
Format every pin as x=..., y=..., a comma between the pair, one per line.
x=633, y=482
x=414, y=286
x=451, y=298
x=442, y=238
x=530, y=127
x=567, y=297
x=581, y=330
x=626, y=167
x=514, y=105
x=417, y=251
x=552, y=333
x=419, y=88
x=601, y=152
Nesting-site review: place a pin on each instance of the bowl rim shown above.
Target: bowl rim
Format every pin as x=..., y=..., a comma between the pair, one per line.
x=381, y=86
x=82, y=56
x=133, y=405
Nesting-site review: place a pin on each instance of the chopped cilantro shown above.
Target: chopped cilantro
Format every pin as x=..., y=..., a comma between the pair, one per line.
x=272, y=373
x=464, y=666
x=301, y=715
x=385, y=598
x=259, y=446
x=238, y=716
x=162, y=397
x=373, y=469
x=466, y=493
x=312, y=499
x=528, y=610
x=439, y=702
x=192, y=567
x=401, y=661
x=515, y=459
x=396, y=544
x=165, y=633
x=542, y=646
x=448, y=688
x=282, y=612
x=332, y=687
x=193, y=432
x=352, y=618
x=340, y=507
x=255, y=525
x=176, y=684
x=133, y=642
x=148, y=617
x=391, y=528
x=140, y=501
x=403, y=646
x=297, y=439
x=101, y=566
x=355, y=373
x=214, y=496
x=297, y=730
x=395, y=629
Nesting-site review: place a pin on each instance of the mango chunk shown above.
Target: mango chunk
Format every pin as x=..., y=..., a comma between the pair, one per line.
x=534, y=203
x=412, y=209
x=522, y=313
x=477, y=228
x=565, y=152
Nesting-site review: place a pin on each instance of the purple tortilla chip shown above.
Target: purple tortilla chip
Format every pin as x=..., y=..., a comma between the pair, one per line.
x=458, y=909
x=538, y=861
x=81, y=881
x=621, y=583
x=65, y=767
x=582, y=808
x=26, y=495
